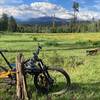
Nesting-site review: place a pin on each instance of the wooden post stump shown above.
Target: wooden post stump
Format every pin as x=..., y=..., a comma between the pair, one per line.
x=21, y=87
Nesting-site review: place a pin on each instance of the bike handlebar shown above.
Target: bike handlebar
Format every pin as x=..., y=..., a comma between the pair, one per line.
x=37, y=52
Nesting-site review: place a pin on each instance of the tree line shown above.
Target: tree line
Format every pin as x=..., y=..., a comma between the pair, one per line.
x=69, y=27
x=10, y=24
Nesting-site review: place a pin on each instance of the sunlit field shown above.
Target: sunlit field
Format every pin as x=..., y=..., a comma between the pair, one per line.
x=65, y=50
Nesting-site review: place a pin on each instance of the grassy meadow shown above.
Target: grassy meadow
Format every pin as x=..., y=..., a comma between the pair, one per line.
x=66, y=50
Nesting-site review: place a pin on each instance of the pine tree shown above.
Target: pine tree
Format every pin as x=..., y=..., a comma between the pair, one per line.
x=75, y=9
x=12, y=25
x=4, y=22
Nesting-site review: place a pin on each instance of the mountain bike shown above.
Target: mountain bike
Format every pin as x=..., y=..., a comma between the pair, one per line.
x=47, y=79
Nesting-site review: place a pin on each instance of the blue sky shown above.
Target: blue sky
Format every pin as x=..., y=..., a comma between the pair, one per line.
x=91, y=4
x=90, y=8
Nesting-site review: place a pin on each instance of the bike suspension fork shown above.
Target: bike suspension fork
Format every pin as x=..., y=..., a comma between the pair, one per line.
x=45, y=72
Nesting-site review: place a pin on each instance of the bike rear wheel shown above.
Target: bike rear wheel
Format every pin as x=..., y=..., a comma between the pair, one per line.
x=61, y=81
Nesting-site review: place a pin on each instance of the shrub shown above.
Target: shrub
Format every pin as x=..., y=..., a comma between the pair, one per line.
x=84, y=43
x=96, y=43
x=74, y=61
x=56, y=59
x=35, y=39
x=51, y=43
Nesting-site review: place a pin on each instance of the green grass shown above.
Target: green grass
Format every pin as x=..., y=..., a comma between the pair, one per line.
x=85, y=78
x=55, y=41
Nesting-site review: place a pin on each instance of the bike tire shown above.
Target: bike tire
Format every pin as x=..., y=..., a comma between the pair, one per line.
x=63, y=73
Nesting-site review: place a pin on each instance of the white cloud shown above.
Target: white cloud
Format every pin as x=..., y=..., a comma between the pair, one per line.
x=50, y=9
x=36, y=9
x=87, y=14
x=39, y=9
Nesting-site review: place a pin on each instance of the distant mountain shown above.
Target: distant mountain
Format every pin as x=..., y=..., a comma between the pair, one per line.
x=42, y=21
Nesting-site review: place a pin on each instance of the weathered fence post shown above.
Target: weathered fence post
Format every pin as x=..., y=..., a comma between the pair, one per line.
x=21, y=88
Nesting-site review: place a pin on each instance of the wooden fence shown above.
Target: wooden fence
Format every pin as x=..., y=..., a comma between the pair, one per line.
x=55, y=49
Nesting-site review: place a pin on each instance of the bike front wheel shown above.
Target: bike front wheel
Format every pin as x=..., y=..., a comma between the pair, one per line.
x=61, y=81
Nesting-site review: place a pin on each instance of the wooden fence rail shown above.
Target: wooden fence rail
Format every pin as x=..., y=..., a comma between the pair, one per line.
x=55, y=49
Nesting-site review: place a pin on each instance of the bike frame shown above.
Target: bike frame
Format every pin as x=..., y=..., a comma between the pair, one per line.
x=34, y=66
x=7, y=73
x=42, y=69
x=7, y=62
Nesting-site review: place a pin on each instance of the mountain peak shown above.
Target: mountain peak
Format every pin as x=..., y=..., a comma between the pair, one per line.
x=42, y=21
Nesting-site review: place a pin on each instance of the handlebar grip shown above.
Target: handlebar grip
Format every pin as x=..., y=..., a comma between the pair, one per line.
x=40, y=47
